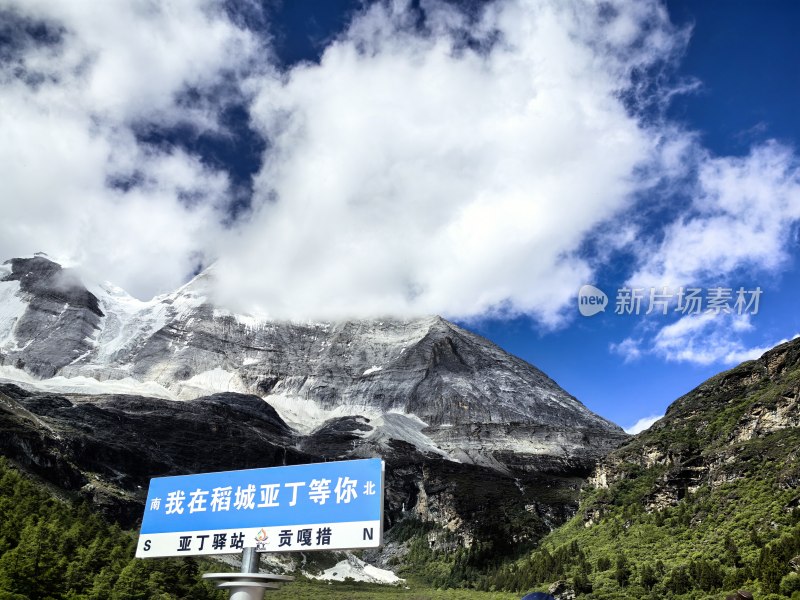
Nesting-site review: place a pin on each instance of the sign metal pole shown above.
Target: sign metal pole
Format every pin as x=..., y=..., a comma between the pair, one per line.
x=249, y=584
x=250, y=561
x=248, y=590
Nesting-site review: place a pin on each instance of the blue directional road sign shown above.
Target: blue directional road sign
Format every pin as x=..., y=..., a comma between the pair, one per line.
x=324, y=506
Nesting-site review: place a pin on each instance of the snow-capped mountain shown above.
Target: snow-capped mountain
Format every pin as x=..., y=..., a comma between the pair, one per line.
x=425, y=381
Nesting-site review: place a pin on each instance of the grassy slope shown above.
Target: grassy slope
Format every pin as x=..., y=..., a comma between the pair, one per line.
x=751, y=513
x=301, y=590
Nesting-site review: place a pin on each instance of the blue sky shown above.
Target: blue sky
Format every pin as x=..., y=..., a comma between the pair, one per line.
x=744, y=54
x=480, y=160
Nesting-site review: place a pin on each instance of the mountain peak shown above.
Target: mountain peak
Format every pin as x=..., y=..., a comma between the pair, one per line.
x=447, y=388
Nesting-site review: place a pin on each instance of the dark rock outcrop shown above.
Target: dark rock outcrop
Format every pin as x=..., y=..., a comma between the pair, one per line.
x=106, y=448
x=61, y=317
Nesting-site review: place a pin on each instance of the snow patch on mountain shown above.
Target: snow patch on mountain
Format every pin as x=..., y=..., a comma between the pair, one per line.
x=306, y=415
x=356, y=569
x=11, y=309
x=129, y=321
x=209, y=382
x=84, y=385
x=402, y=426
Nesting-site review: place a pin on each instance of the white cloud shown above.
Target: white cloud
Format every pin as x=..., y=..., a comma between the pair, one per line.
x=628, y=348
x=66, y=134
x=642, y=424
x=698, y=339
x=455, y=169
x=742, y=216
x=411, y=174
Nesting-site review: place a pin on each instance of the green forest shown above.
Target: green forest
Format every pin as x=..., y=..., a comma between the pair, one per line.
x=53, y=549
x=711, y=544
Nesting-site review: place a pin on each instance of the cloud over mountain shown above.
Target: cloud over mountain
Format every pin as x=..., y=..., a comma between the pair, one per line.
x=439, y=161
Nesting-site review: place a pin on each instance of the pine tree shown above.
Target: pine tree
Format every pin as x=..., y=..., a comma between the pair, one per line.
x=603, y=563
x=732, y=555
x=648, y=577
x=623, y=571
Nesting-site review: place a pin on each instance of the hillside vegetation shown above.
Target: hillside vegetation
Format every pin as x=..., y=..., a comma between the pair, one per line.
x=702, y=504
x=52, y=550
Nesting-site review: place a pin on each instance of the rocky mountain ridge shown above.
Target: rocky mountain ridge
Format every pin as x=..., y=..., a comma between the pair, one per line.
x=707, y=436
x=424, y=381
x=105, y=449
x=703, y=504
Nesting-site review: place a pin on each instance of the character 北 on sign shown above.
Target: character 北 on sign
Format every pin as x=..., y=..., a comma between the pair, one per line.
x=323, y=506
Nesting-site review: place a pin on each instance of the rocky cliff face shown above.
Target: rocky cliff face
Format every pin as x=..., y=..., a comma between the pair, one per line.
x=423, y=381
x=47, y=318
x=106, y=448
x=732, y=427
